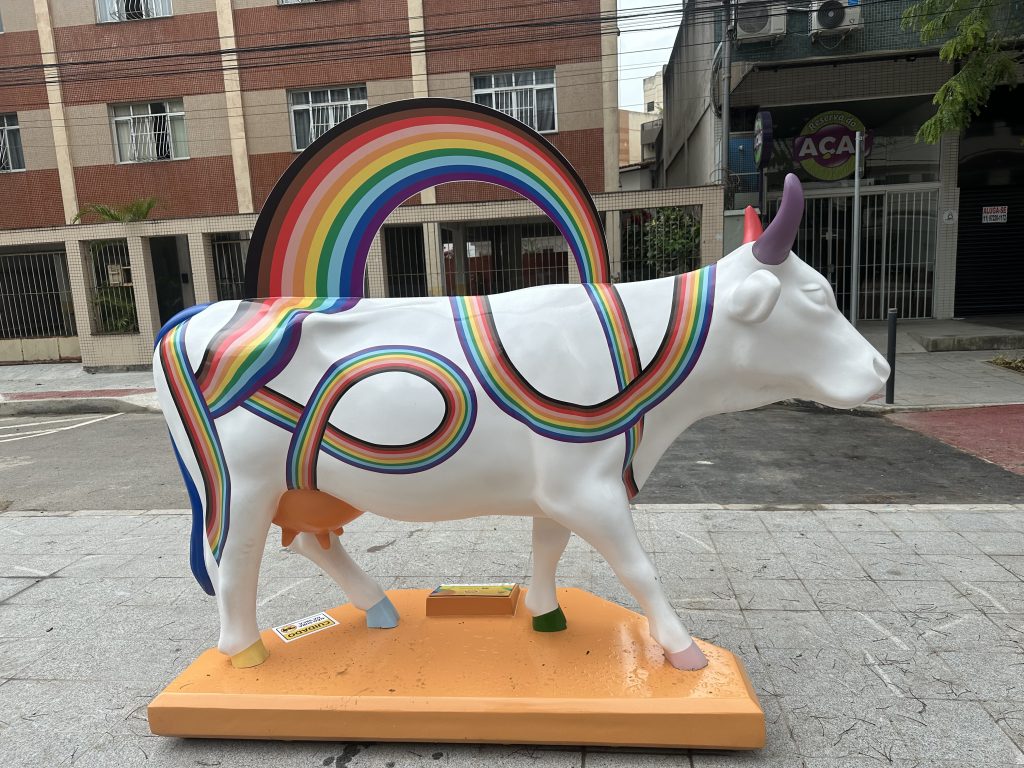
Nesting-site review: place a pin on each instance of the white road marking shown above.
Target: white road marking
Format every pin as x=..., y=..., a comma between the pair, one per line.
x=43, y=423
x=994, y=602
x=896, y=641
x=58, y=429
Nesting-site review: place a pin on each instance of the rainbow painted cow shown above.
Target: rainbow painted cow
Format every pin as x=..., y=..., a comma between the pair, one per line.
x=553, y=402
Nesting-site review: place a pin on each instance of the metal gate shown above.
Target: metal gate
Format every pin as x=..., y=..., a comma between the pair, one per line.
x=897, y=246
x=35, y=296
x=229, y=253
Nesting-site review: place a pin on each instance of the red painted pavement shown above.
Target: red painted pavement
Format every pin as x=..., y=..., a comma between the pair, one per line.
x=75, y=393
x=995, y=434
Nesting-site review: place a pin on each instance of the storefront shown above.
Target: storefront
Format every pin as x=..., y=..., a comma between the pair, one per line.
x=900, y=196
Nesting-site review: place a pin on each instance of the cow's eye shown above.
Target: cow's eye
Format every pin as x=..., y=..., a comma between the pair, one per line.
x=816, y=293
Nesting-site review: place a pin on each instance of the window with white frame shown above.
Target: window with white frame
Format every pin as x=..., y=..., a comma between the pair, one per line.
x=527, y=96
x=150, y=131
x=11, y=156
x=131, y=10
x=315, y=112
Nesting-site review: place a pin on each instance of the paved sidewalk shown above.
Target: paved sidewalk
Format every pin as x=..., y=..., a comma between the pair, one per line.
x=874, y=635
x=41, y=388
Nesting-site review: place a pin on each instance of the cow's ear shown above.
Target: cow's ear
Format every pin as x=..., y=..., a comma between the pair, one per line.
x=755, y=298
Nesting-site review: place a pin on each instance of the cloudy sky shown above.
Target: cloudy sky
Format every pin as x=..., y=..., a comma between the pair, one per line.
x=641, y=53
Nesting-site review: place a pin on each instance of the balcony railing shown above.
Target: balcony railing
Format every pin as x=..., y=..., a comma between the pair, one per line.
x=131, y=10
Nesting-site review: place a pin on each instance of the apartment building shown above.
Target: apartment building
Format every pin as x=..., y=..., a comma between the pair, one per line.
x=201, y=104
x=941, y=225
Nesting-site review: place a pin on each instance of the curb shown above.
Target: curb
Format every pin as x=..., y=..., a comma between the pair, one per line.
x=883, y=409
x=59, y=406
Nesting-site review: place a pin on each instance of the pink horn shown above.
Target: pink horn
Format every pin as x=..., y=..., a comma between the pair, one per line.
x=777, y=241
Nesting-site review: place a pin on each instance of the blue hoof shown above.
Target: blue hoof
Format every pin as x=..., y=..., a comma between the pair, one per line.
x=382, y=616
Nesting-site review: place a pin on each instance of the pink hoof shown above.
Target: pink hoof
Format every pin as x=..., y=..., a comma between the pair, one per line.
x=689, y=658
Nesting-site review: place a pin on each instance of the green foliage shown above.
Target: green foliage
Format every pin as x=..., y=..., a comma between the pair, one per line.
x=137, y=210
x=115, y=309
x=665, y=241
x=979, y=36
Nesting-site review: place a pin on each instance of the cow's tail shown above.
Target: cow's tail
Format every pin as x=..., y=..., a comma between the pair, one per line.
x=196, y=446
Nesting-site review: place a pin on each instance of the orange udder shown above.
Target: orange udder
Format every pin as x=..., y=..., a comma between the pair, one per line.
x=316, y=512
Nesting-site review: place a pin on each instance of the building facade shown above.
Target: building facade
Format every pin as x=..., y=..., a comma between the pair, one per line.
x=820, y=72
x=201, y=104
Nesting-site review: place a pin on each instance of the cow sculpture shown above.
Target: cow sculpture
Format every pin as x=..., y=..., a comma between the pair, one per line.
x=553, y=402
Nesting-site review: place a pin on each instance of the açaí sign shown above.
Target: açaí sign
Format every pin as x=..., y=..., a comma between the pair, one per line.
x=826, y=146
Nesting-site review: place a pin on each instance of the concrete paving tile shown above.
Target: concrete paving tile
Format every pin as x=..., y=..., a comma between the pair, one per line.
x=875, y=542
x=847, y=594
x=997, y=542
x=937, y=543
x=694, y=541
x=779, y=520
x=994, y=597
x=914, y=674
x=954, y=631
x=744, y=542
x=98, y=566
x=904, y=566
x=701, y=594
x=18, y=654
x=992, y=675
x=970, y=567
x=847, y=728
x=780, y=749
x=771, y=594
x=825, y=565
x=822, y=674
x=955, y=731
x=1013, y=520
x=732, y=520
x=911, y=521
x=1011, y=630
x=1009, y=716
x=790, y=629
x=685, y=565
x=956, y=520
x=1013, y=563
x=11, y=587
x=35, y=564
x=851, y=519
x=877, y=632
x=597, y=757
x=928, y=596
x=722, y=627
x=767, y=566
x=55, y=590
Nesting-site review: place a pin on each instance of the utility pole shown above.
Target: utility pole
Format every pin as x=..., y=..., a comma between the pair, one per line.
x=726, y=92
x=855, y=235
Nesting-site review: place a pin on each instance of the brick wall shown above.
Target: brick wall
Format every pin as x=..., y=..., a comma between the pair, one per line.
x=352, y=42
x=446, y=23
x=194, y=33
x=31, y=199
x=21, y=90
x=196, y=187
x=583, y=149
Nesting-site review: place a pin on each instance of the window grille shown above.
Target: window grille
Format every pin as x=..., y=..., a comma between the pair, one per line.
x=527, y=96
x=35, y=296
x=113, y=295
x=150, y=131
x=229, y=252
x=11, y=156
x=132, y=10
x=316, y=112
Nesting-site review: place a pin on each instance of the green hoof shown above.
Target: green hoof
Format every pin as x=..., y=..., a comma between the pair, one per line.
x=550, y=622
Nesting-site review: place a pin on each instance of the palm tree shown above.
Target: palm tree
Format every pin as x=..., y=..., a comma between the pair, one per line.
x=137, y=210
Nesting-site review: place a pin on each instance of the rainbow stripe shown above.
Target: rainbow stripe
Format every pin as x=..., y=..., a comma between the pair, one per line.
x=255, y=346
x=625, y=359
x=202, y=435
x=312, y=431
x=315, y=231
x=683, y=342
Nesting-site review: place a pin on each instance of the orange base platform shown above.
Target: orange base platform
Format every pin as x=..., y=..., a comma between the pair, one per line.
x=603, y=681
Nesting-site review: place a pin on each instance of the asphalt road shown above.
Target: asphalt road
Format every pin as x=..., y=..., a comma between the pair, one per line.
x=774, y=456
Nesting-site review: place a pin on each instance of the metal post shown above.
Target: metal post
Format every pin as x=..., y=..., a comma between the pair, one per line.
x=890, y=356
x=855, y=238
x=726, y=93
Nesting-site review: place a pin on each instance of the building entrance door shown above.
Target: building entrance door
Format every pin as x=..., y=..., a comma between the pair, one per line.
x=171, y=276
x=897, y=246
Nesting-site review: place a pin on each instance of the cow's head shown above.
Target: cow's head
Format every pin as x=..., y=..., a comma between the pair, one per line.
x=788, y=338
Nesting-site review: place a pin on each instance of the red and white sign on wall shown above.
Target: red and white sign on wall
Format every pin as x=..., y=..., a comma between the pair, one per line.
x=994, y=214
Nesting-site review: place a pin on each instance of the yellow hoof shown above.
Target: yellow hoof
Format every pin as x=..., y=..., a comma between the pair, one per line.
x=252, y=656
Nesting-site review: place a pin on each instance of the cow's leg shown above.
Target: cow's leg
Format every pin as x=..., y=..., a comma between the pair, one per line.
x=603, y=519
x=362, y=591
x=549, y=540
x=238, y=575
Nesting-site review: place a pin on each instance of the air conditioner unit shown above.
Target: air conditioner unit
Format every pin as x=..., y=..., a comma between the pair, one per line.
x=834, y=17
x=759, y=20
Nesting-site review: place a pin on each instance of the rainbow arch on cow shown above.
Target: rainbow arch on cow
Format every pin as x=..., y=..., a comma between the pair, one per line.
x=315, y=231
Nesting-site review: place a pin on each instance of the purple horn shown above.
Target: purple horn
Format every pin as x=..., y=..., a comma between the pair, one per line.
x=777, y=241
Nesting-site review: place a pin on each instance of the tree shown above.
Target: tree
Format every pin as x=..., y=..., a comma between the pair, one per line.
x=980, y=36
x=137, y=210
x=659, y=242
